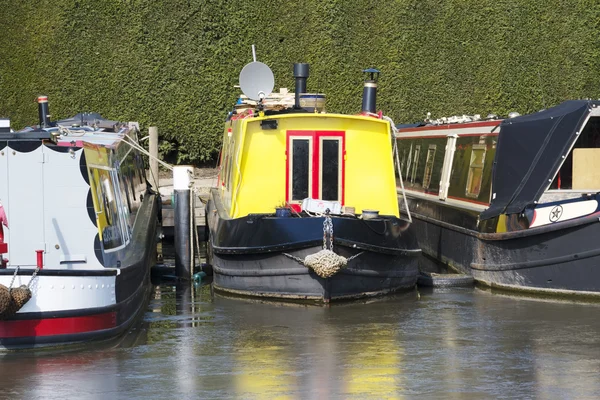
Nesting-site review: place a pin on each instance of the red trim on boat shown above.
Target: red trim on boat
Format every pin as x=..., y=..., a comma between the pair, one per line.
x=315, y=166
x=422, y=137
x=446, y=135
x=57, y=326
x=77, y=143
x=316, y=157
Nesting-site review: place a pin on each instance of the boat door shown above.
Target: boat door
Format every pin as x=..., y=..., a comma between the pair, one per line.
x=315, y=166
x=25, y=205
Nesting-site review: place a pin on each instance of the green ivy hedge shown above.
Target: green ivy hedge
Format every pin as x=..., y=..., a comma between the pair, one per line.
x=173, y=64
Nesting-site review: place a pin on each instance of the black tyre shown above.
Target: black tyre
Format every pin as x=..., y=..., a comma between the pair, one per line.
x=444, y=280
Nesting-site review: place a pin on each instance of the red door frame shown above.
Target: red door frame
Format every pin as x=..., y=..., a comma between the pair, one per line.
x=316, y=156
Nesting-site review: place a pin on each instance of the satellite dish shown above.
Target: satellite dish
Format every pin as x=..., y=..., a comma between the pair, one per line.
x=256, y=80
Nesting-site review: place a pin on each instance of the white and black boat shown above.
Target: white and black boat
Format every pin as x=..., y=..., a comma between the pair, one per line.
x=514, y=202
x=79, y=231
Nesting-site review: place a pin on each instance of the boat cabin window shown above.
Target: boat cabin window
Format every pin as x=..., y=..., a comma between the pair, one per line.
x=111, y=213
x=315, y=165
x=300, y=169
x=429, y=166
x=230, y=164
x=581, y=168
x=476, y=170
x=415, y=163
x=403, y=162
x=331, y=153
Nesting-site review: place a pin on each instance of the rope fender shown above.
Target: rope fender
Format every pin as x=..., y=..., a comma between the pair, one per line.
x=13, y=299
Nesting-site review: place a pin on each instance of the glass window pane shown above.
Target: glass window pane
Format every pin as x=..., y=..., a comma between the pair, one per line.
x=300, y=168
x=476, y=170
x=108, y=216
x=429, y=166
x=330, y=173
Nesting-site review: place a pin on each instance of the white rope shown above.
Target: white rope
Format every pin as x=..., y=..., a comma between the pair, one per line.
x=71, y=132
x=136, y=146
x=394, y=132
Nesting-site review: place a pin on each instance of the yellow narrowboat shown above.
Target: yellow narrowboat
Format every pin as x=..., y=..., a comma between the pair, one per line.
x=305, y=207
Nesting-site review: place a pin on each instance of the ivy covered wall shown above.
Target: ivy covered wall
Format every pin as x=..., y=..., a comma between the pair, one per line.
x=174, y=63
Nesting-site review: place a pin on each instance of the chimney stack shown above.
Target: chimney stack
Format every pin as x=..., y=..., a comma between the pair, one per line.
x=301, y=74
x=43, y=112
x=369, y=101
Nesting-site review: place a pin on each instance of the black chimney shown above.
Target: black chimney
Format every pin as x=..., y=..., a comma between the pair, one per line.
x=43, y=112
x=369, y=101
x=300, y=73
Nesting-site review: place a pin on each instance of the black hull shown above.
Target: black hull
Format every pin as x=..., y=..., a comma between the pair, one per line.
x=248, y=256
x=275, y=275
x=558, y=259
x=70, y=327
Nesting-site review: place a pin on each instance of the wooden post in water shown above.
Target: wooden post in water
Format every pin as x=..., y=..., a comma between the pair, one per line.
x=182, y=183
x=153, y=147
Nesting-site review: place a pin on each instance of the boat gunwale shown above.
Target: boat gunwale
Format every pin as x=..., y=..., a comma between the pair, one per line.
x=589, y=219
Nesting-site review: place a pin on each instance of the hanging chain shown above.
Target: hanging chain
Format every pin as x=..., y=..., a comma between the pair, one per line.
x=37, y=269
x=14, y=276
x=327, y=232
x=297, y=259
x=325, y=229
x=330, y=233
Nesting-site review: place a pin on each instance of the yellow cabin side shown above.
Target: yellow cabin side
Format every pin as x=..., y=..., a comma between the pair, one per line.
x=271, y=161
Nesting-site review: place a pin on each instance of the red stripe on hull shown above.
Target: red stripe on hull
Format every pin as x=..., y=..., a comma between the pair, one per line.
x=57, y=326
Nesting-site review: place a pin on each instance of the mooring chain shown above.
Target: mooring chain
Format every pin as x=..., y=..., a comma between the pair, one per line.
x=327, y=231
x=325, y=262
x=330, y=232
x=354, y=256
x=297, y=259
x=37, y=269
x=14, y=276
x=325, y=234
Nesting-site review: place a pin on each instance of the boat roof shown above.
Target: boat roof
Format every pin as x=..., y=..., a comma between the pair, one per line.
x=530, y=151
x=461, y=128
x=88, y=128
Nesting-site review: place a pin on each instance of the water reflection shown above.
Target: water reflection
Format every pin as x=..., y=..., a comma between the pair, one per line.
x=458, y=343
x=291, y=351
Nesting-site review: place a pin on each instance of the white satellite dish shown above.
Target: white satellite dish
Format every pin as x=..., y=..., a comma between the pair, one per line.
x=257, y=80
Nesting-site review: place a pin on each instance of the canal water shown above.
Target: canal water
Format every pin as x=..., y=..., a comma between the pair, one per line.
x=434, y=344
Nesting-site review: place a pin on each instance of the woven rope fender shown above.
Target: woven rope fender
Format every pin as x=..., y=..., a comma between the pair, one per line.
x=11, y=300
x=20, y=295
x=6, y=302
x=325, y=263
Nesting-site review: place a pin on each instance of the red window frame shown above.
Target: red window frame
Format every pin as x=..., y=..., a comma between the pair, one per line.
x=316, y=157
